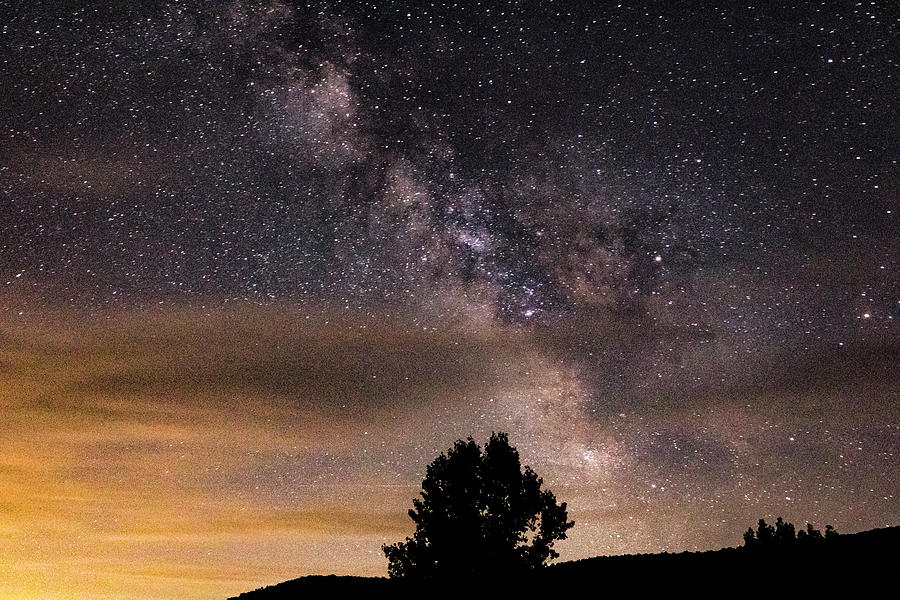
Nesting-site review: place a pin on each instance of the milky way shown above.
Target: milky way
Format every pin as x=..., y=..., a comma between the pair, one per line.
x=269, y=259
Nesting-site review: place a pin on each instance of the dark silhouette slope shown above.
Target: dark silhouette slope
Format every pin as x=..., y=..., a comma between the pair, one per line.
x=861, y=561
x=868, y=558
x=323, y=584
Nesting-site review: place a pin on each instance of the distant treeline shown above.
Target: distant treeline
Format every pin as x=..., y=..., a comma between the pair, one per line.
x=784, y=533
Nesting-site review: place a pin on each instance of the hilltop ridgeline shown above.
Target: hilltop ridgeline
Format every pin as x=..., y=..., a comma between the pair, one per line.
x=861, y=560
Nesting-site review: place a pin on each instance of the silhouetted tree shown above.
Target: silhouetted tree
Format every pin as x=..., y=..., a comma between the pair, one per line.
x=765, y=533
x=479, y=514
x=810, y=535
x=830, y=532
x=785, y=533
x=749, y=538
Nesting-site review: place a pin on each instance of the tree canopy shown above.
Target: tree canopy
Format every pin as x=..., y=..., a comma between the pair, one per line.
x=480, y=514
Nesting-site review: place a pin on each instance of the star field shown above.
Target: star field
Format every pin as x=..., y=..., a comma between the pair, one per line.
x=270, y=258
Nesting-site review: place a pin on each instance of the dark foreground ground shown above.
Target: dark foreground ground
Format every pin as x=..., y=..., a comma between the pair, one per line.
x=858, y=565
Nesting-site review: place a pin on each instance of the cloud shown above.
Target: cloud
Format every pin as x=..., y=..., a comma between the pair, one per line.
x=253, y=427
x=318, y=363
x=90, y=170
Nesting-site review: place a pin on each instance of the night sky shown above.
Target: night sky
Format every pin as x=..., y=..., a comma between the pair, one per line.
x=261, y=262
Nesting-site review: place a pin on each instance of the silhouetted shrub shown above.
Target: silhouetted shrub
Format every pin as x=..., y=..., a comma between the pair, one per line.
x=479, y=515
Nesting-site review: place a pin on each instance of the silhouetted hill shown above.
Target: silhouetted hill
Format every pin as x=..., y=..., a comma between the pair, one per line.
x=326, y=584
x=861, y=561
